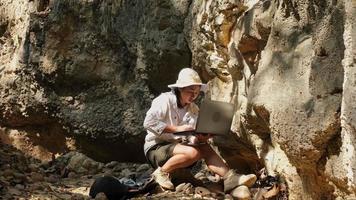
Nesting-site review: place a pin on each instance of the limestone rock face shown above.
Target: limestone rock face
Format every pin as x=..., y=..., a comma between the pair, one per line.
x=91, y=67
x=88, y=70
x=288, y=68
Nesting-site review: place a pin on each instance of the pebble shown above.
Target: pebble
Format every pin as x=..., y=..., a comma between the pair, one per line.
x=36, y=186
x=242, y=192
x=126, y=173
x=33, y=167
x=69, y=99
x=77, y=197
x=111, y=164
x=8, y=173
x=20, y=176
x=202, y=191
x=72, y=175
x=143, y=167
x=108, y=173
x=52, y=179
x=16, y=180
x=14, y=191
x=228, y=197
x=66, y=196
x=186, y=188
x=36, y=177
x=100, y=196
x=19, y=186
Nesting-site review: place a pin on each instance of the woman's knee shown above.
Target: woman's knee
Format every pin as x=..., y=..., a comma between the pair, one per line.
x=193, y=153
x=189, y=152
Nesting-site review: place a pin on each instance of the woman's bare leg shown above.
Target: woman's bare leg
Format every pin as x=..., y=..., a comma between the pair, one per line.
x=183, y=156
x=213, y=160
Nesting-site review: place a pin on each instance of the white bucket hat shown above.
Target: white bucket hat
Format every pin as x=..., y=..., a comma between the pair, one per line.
x=188, y=77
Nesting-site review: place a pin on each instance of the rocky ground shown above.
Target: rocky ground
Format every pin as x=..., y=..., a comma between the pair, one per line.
x=70, y=176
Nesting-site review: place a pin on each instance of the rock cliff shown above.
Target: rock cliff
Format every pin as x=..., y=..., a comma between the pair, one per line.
x=81, y=74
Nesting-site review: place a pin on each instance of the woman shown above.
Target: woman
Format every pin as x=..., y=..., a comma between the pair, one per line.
x=175, y=111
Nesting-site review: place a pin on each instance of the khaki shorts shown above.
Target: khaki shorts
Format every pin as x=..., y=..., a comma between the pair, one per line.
x=159, y=154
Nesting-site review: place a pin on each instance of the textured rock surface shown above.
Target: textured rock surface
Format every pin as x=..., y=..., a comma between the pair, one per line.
x=288, y=67
x=88, y=69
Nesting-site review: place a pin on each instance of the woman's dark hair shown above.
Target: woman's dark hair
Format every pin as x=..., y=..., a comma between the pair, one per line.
x=177, y=93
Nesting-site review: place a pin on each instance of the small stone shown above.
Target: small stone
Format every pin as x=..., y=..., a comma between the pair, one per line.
x=98, y=175
x=108, y=173
x=99, y=167
x=45, y=164
x=81, y=170
x=36, y=177
x=100, y=196
x=188, y=189
x=126, y=173
x=143, y=167
x=87, y=164
x=118, y=168
x=19, y=176
x=69, y=99
x=202, y=191
x=8, y=173
x=77, y=197
x=215, y=178
x=19, y=186
x=16, y=180
x=180, y=187
x=72, y=175
x=4, y=182
x=36, y=186
x=65, y=196
x=33, y=167
x=242, y=192
x=52, y=179
x=14, y=191
x=272, y=192
x=200, y=176
x=228, y=197
x=111, y=164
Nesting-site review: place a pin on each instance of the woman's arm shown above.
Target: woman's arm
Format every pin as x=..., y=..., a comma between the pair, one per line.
x=154, y=120
x=174, y=129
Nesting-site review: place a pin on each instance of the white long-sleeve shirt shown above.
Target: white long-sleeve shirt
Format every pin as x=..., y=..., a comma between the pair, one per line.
x=164, y=111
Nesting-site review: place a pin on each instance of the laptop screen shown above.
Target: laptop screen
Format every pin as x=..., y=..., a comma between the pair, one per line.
x=215, y=117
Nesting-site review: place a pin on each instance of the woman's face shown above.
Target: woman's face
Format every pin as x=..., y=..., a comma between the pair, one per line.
x=189, y=94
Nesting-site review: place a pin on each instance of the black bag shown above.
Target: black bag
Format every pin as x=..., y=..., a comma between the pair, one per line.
x=114, y=189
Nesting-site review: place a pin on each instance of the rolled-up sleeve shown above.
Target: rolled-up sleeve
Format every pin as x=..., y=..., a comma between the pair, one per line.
x=154, y=120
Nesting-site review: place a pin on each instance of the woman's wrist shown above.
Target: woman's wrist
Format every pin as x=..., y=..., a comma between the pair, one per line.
x=170, y=129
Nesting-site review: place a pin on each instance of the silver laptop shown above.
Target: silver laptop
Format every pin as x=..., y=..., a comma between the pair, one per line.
x=215, y=117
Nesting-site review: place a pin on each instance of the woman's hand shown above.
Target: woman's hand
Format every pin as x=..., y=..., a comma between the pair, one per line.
x=184, y=128
x=174, y=129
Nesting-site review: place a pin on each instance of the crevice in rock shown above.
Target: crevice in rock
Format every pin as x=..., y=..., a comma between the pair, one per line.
x=240, y=156
x=328, y=134
x=3, y=28
x=336, y=91
x=291, y=9
x=257, y=121
x=42, y=5
x=333, y=150
x=315, y=185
